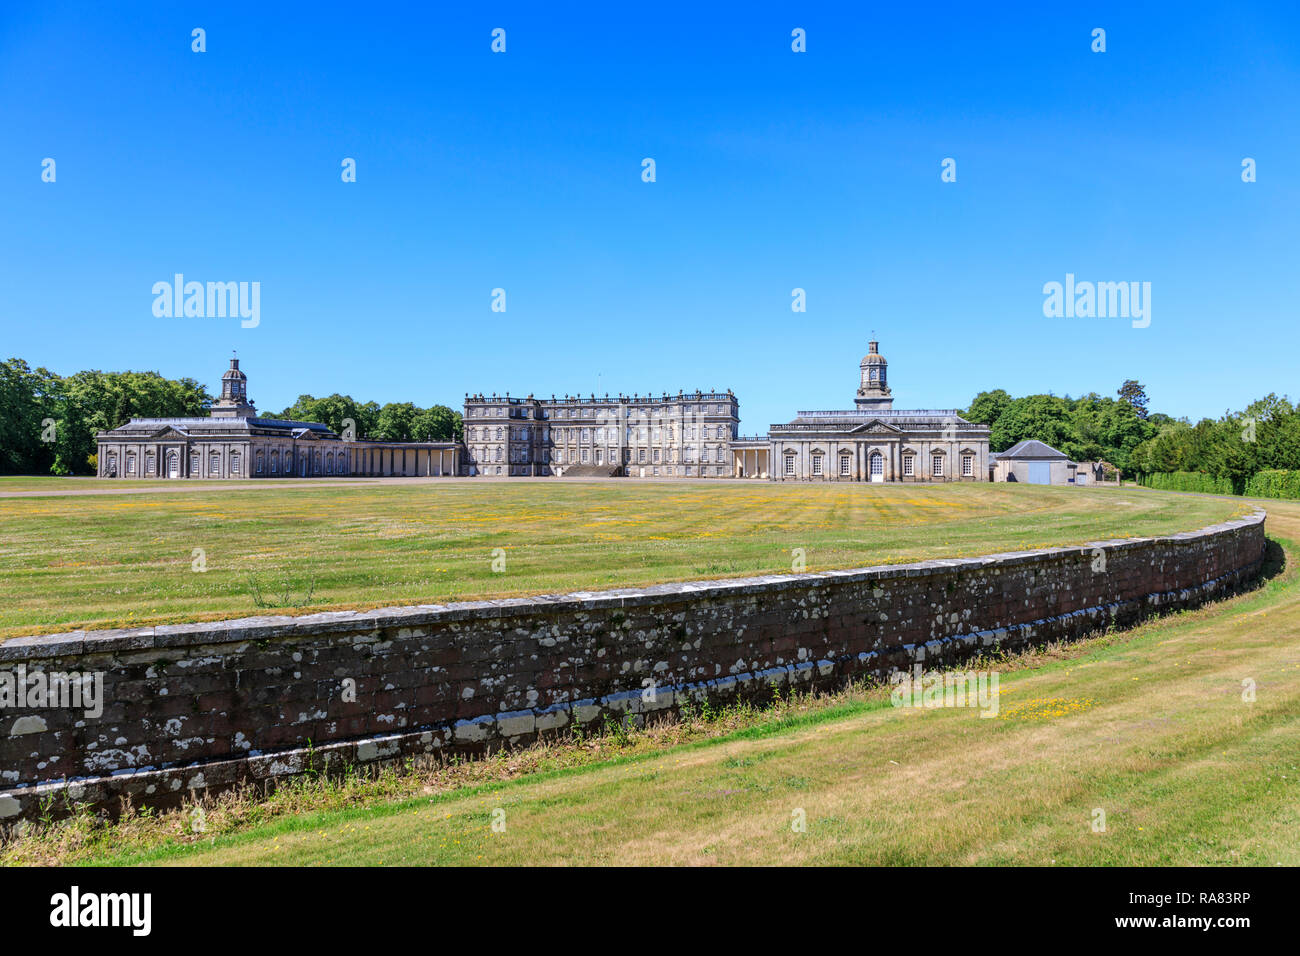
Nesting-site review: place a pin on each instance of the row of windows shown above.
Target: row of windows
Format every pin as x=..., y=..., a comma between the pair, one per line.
x=328, y=464
x=515, y=411
x=605, y=435
x=643, y=456
x=876, y=465
x=173, y=464
x=263, y=464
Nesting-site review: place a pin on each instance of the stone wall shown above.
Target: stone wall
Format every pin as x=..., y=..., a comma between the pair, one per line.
x=195, y=706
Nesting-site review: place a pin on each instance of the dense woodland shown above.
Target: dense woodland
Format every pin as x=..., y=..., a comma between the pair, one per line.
x=48, y=425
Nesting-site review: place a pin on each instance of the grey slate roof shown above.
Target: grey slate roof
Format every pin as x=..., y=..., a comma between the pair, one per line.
x=1033, y=449
x=137, y=427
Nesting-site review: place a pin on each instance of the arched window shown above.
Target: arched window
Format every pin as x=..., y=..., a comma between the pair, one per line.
x=260, y=462
x=275, y=459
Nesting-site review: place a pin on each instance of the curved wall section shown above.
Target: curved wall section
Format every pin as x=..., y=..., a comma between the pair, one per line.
x=198, y=706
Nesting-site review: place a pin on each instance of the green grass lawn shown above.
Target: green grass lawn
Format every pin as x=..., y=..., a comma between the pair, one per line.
x=1148, y=726
x=125, y=559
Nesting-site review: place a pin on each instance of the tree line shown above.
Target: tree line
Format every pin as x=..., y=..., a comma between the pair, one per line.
x=1230, y=450
x=396, y=421
x=48, y=422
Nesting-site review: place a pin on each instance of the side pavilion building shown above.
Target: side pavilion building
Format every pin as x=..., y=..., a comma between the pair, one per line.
x=873, y=441
x=234, y=442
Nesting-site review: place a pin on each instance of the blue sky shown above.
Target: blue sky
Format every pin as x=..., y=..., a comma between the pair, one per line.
x=775, y=170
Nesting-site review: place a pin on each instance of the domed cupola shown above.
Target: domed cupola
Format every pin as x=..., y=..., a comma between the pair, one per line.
x=873, y=389
x=233, y=402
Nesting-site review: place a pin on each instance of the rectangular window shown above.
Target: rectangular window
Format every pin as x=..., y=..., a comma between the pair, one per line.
x=789, y=464
x=234, y=464
x=846, y=466
x=640, y=456
x=968, y=465
x=816, y=464
x=936, y=469
x=585, y=458
x=909, y=466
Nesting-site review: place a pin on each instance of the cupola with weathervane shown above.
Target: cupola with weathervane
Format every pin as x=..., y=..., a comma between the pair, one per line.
x=233, y=402
x=873, y=391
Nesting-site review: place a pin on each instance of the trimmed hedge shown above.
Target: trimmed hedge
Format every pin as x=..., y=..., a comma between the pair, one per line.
x=1274, y=483
x=1187, y=481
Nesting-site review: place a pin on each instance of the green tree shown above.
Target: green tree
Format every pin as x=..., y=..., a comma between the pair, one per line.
x=437, y=423
x=987, y=407
x=395, y=421
x=29, y=404
x=1042, y=417
x=1133, y=393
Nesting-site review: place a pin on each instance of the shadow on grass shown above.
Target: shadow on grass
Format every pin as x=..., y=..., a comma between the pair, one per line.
x=1274, y=561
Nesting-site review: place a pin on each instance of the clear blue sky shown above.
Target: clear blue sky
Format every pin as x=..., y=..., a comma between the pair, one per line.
x=775, y=170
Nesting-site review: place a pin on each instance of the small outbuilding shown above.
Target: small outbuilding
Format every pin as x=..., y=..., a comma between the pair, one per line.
x=1032, y=462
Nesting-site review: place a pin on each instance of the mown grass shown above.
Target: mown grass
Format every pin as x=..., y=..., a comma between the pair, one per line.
x=130, y=559
x=1149, y=726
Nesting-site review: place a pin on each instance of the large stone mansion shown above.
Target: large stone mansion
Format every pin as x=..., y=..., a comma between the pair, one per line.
x=687, y=435
x=671, y=436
